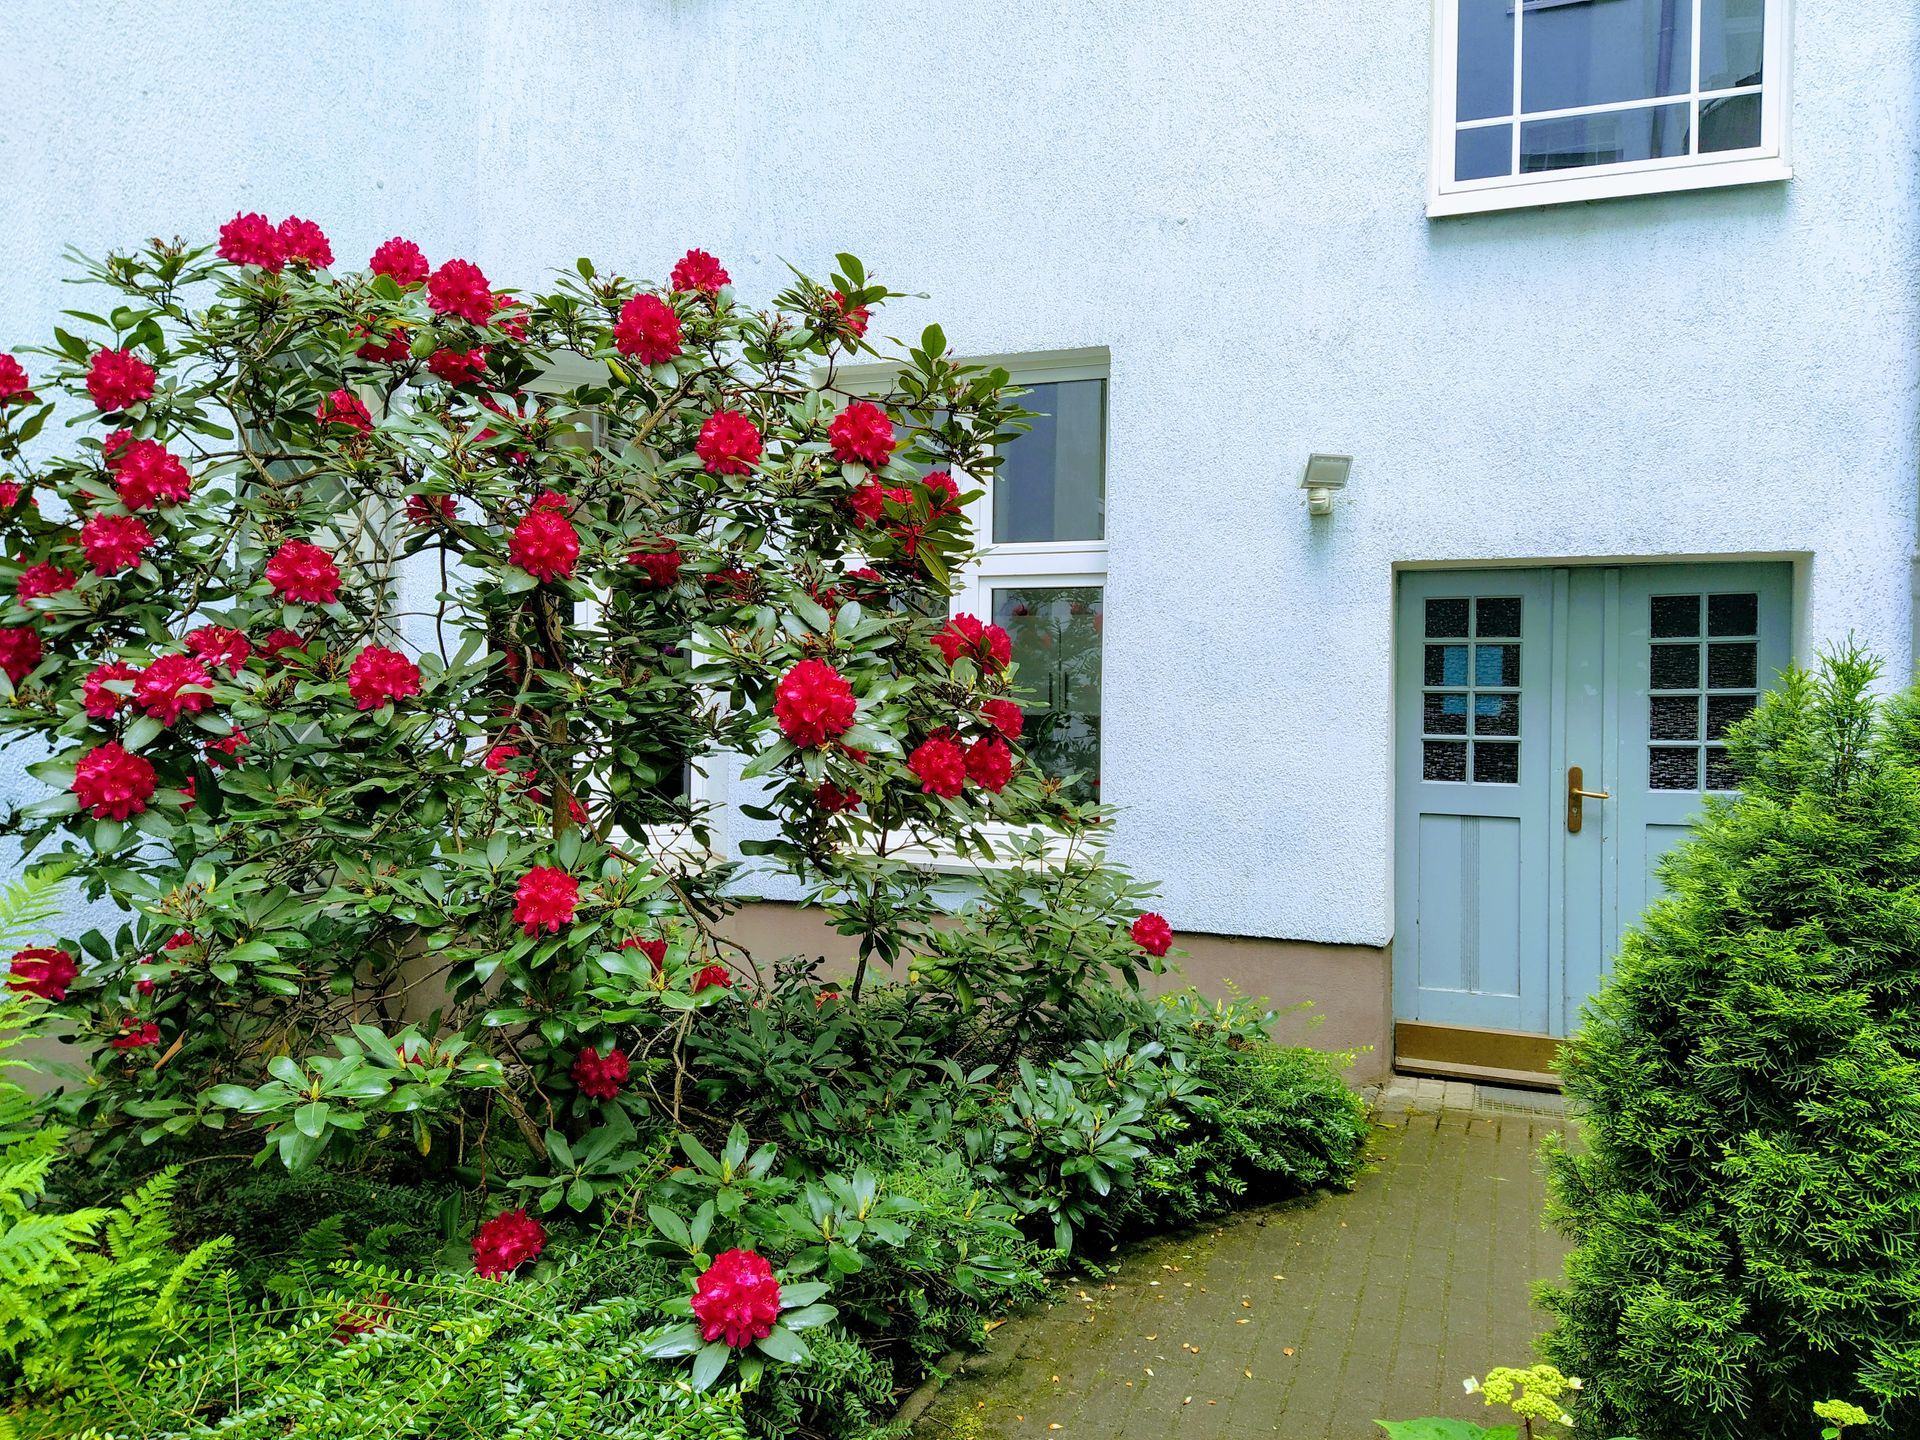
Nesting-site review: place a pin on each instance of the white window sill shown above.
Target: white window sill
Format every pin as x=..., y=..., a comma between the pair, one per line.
x=1573, y=189
x=943, y=859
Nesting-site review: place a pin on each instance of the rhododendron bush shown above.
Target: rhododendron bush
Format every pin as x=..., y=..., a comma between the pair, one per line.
x=364, y=619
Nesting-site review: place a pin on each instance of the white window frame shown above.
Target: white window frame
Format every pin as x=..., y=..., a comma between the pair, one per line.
x=1049, y=562
x=1767, y=162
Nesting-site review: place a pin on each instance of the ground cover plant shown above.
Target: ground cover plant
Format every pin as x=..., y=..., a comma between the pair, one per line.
x=1747, y=1204
x=363, y=624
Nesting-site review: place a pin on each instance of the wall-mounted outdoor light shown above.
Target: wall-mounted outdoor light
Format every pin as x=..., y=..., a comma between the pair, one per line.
x=1324, y=475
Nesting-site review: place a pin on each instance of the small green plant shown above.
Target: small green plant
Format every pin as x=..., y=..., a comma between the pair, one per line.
x=1840, y=1417
x=1537, y=1396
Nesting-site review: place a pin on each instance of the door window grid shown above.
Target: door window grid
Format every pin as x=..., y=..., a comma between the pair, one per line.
x=1702, y=679
x=1471, y=689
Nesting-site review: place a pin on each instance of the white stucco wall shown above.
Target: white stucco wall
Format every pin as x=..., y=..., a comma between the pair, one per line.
x=1229, y=196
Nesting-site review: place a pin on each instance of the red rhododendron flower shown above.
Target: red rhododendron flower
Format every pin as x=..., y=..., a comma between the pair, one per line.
x=510, y=315
x=10, y=494
x=499, y=758
x=117, y=379
x=20, y=650
x=304, y=573
x=225, y=751
x=862, y=432
x=459, y=367
x=113, y=543
x=506, y=1242
x=396, y=347
x=545, y=899
x=990, y=763
x=14, y=385
x=853, y=321
x=711, y=976
x=697, y=270
x=728, y=443
x=144, y=985
x=867, y=574
x=135, y=1034
x=1152, y=933
x=304, y=243
x=145, y=472
x=113, y=783
x=250, y=239
x=45, y=578
x=100, y=702
x=654, y=950
x=813, y=703
x=378, y=675
x=343, y=407
x=648, y=330
x=41, y=971
x=1005, y=716
x=180, y=940
x=545, y=544
x=600, y=1076
x=426, y=509
x=459, y=288
x=946, y=493
x=940, y=765
x=401, y=259
x=172, y=686
x=868, y=500
x=830, y=798
x=662, y=567
x=278, y=642
x=966, y=635
x=220, y=645
x=736, y=1299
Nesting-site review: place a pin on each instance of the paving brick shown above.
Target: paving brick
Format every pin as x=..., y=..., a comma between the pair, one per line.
x=1393, y=1293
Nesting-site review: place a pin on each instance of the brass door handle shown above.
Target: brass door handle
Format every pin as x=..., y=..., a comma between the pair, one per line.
x=1577, y=798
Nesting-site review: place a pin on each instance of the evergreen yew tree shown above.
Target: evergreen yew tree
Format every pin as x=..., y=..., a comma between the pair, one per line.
x=1747, y=1205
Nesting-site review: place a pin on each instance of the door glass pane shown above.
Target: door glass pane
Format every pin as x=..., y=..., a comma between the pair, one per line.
x=1732, y=667
x=1446, y=619
x=1675, y=769
x=1446, y=714
x=1496, y=764
x=1733, y=615
x=1446, y=665
x=1674, y=717
x=1597, y=53
x=1443, y=760
x=1483, y=82
x=1497, y=617
x=1055, y=631
x=1732, y=43
x=1730, y=123
x=1611, y=137
x=1496, y=714
x=1726, y=711
x=1676, y=667
x=1051, y=484
x=1676, y=616
x=1496, y=664
x=1722, y=774
x=1483, y=152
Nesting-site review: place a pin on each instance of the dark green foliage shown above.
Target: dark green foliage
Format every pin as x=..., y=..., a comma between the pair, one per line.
x=1747, y=1209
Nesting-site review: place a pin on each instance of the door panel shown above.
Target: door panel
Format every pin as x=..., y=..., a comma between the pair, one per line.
x=1472, y=759
x=1505, y=679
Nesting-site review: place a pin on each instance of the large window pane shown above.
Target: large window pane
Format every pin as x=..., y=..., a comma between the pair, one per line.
x=1484, y=72
x=1596, y=52
x=1730, y=123
x=1051, y=484
x=1613, y=136
x=1056, y=645
x=1732, y=42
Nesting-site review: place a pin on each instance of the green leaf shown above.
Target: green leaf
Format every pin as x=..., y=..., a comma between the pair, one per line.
x=1438, y=1429
x=807, y=1317
x=708, y=1364
x=782, y=1344
x=311, y=1118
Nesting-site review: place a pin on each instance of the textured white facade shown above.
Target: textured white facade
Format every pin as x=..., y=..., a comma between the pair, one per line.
x=1229, y=197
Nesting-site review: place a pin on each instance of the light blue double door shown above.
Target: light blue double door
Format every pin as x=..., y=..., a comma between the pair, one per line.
x=1515, y=690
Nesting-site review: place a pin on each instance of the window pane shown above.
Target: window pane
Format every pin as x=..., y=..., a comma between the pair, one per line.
x=1446, y=665
x=1674, y=717
x=1676, y=616
x=1446, y=714
x=1443, y=760
x=1446, y=618
x=1051, y=484
x=1497, y=618
x=1496, y=714
x=1732, y=667
x=1610, y=138
x=1496, y=764
x=1732, y=42
x=1055, y=631
x=1729, y=123
x=1587, y=53
x=1673, y=769
x=1484, y=152
x=1483, y=85
x=1676, y=667
x=1733, y=614
x=1496, y=664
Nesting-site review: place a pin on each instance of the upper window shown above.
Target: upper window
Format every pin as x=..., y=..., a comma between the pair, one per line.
x=1540, y=101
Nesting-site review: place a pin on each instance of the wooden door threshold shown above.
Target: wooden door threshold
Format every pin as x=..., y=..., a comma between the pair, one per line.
x=1487, y=1057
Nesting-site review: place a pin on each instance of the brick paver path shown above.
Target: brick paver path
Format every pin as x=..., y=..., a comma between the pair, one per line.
x=1306, y=1320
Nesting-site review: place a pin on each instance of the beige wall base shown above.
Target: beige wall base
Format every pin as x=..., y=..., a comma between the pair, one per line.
x=1348, y=986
